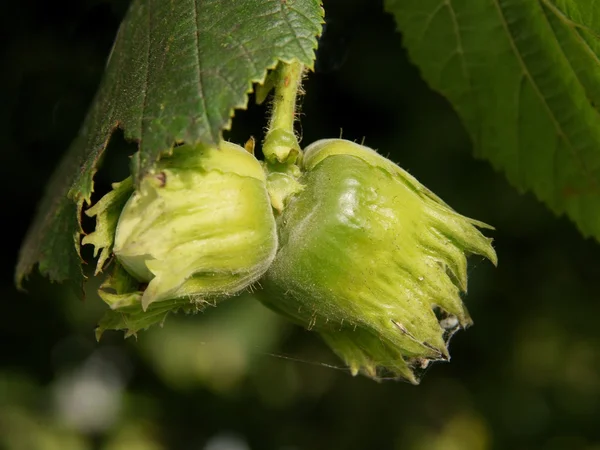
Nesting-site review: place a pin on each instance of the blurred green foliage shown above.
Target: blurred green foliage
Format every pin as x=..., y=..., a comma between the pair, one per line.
x=525, y=376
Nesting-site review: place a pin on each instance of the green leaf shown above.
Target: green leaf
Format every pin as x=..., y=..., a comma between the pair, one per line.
x=132, y=319
x=122, y=293
x=176, y=72
x=524, y=75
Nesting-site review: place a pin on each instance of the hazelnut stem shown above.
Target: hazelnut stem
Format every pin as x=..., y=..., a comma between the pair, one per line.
x=281, y=144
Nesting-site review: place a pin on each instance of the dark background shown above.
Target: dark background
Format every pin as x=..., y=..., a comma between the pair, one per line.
x=526, y=376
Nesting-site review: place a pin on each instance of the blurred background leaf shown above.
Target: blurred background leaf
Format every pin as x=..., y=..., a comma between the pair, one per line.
x=525, y=376
x=525, y=79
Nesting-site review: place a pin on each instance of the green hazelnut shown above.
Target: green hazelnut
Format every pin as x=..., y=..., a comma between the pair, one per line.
x=373, y=261
x=200, y=226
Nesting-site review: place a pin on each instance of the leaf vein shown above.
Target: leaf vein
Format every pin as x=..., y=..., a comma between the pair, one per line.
x=576, y=30
x=554, y=119
x=138, y=161
x=201, y=93
x=286, y=19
